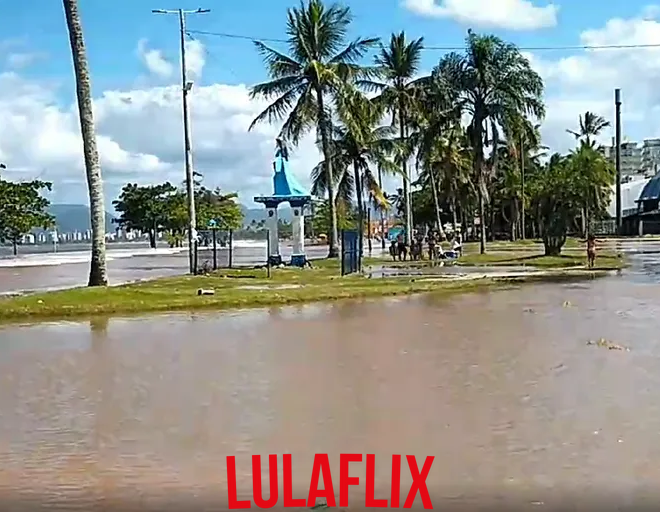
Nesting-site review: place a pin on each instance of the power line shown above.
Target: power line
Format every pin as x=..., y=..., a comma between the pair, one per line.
x=445, y=48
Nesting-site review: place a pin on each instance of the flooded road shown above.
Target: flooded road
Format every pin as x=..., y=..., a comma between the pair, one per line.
x=502, y=388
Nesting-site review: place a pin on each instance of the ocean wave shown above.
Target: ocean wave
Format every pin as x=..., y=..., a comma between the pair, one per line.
x=71, y=257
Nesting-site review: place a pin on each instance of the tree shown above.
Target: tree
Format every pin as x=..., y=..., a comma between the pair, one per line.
x=590, y=125
x=22, y=208
x=593, y=176
x=145, y=208
x=496, y=85
x=304, y=82
x=358, y=146
x=398, y=64
x=556, y=202
x=222, y=208
x=98, y=275
x=346, y=217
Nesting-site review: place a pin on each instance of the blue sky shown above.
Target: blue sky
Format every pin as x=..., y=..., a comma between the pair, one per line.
x=139, y=114
x=112, y=29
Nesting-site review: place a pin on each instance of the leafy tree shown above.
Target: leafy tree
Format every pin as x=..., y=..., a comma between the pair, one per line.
x=222, y=208
x=98, y=274
x=145, y=208
x=22, y=208
x=303, y=83
x=496, y=85
x=156, y=208
x=346, y=217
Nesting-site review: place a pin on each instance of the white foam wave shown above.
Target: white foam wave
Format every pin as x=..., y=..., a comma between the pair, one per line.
x=70, y=257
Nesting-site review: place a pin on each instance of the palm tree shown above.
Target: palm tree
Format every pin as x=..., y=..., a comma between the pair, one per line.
x=398, y=64
x=304, y=82
x=98, y=275
x=437, y=130
x=359, y=144
x=497, y=84
x=590, y=125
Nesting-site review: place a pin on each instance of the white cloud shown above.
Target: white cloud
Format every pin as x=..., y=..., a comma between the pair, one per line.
x=195, y=59
x=139, y=135
x=157, y=64
x=507, y=14
x=154, y=60
x=586, y=81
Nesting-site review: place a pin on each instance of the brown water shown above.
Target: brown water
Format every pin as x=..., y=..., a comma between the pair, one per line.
x=501, y=388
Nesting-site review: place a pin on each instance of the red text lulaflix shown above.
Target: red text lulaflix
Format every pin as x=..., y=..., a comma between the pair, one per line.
x=321, y=468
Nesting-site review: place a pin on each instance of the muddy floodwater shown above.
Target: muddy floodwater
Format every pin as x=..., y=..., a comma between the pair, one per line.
x=502, y=388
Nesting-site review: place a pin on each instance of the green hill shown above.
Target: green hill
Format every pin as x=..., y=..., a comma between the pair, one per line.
x=75, y=217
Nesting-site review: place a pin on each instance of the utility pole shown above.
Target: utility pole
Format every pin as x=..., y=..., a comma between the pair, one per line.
x=186, y=86
x=522, y=183
x=617, y=158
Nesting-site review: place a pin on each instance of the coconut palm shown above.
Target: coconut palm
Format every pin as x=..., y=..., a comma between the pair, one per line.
x=360, y=145
x=398, y=64
x=590, y=125
x=304, y=82
x=98, y=275
x=496, y=84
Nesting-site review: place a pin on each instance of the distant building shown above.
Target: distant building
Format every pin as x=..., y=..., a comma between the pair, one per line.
x=637, y=160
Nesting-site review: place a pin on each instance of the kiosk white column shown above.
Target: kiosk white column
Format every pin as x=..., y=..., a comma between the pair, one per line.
x=298, y=227
x=298, y=258
x=273, y=234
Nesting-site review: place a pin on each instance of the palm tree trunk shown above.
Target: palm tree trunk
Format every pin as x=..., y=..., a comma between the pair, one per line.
x=333, y=251
x=436, y=204
x=98, y=275
x=454, y=216
x=382, y=213
x=360, y=207
x=406, y=191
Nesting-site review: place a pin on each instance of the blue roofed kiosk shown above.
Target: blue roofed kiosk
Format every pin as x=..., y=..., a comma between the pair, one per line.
x=286, y=189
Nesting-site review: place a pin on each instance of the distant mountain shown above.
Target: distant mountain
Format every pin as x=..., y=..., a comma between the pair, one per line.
x=75, y=217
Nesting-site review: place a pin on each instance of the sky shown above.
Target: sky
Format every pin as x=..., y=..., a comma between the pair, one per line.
x=134, y=60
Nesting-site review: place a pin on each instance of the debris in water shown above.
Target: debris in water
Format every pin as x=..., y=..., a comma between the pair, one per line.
x=529, y=310
x=608, y=345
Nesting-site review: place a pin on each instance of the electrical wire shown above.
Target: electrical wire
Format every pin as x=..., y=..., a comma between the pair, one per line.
x=446, y=48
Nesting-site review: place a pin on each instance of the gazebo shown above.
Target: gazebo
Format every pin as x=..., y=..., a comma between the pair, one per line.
x=286, y=189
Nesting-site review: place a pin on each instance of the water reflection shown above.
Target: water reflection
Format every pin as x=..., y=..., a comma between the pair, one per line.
x=502, y=385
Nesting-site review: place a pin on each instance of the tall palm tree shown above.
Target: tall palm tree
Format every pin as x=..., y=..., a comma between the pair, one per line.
x=590, y=125
x=361, y=145
x=398, y=64
x=496, y=83
x=98, y=275
x=305, y=82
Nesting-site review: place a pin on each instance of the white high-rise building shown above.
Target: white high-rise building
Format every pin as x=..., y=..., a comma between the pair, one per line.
x=637, y=160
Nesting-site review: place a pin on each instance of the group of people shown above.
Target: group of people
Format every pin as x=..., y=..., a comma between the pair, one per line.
x=399, y=249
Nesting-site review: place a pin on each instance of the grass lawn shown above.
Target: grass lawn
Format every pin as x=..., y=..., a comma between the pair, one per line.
x=233, y=289
x=525, y=253
x=604, y=260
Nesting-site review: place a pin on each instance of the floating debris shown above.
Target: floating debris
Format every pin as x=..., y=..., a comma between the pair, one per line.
x=529, y=310
x=608, y=345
